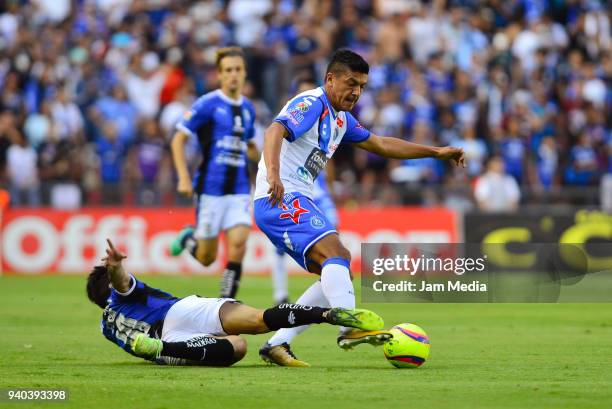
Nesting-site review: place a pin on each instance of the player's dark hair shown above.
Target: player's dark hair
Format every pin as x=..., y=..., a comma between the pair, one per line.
x=98, y=289
x=228, y=52
x=345, y=59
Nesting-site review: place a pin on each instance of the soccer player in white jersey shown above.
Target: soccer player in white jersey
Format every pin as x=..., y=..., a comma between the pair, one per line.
x=321, y=196
x=297, y=145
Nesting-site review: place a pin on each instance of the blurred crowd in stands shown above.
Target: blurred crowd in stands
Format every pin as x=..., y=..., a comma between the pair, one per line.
x=91, y=90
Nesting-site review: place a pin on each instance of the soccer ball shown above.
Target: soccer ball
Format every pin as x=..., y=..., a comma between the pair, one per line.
x=409, y=347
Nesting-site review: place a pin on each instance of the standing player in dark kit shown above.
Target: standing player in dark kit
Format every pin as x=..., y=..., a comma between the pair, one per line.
x=222, y=121
x=153, y=324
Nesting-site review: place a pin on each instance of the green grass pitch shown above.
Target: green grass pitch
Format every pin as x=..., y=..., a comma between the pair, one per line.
x=482, y=356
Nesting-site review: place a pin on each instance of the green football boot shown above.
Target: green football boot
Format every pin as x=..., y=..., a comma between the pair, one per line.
x=176, y=247
x=357, y=318
x=147, y=347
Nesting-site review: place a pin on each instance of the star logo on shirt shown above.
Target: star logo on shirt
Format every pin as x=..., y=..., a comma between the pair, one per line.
x=294, y=212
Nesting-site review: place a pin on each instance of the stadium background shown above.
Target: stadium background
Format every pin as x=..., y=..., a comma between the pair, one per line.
x=91, y=91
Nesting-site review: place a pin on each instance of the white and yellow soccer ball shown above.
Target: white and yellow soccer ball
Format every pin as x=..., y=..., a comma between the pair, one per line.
x=409, y=347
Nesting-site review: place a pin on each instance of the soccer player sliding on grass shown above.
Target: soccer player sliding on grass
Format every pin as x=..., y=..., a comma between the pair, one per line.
x=297, y=146
x=155, y=325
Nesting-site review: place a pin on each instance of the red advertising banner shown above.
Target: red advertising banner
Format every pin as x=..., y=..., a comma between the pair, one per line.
x=44, y=241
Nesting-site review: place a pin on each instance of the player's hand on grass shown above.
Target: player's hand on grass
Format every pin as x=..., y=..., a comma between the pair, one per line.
x=455, y=155
x=277, y=190
x=113, y=256
x=185, y=187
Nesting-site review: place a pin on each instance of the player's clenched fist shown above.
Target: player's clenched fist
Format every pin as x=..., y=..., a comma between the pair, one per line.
x=454, y=154
x=276, y=190
x=185, y=187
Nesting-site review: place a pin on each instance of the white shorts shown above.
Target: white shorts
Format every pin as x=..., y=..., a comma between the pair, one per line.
x=194, y=316
x=217, y=213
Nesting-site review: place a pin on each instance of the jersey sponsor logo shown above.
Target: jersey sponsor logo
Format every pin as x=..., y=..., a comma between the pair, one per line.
x=232, y=143
x=295, y=116
x=291, y=318
x=302, y=106
x=294, y=212
x=230, y=159
x=315, y=162
x=302, y=174
x=317, y=222
x=238, y=128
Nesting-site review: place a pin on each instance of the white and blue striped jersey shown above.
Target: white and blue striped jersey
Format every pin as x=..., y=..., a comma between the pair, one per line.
x=315, y=130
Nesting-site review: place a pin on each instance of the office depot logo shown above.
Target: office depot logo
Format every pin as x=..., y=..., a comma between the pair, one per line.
x=47, y=241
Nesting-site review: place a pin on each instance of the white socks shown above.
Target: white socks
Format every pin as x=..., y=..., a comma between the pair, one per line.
x=312, y=296
x=279, y=279
x=334, y=290
x=337, y=285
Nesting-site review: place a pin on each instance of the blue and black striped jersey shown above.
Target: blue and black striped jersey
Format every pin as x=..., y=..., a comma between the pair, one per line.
x=222, y=127
x=141, y=309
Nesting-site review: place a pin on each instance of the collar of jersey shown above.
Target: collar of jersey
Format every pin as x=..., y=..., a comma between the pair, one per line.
x=333, y=112
x=228, y=99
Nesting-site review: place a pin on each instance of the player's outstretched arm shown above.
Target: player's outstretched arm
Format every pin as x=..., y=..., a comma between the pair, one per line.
x=118, y=277
x=395, y=148
x=180, y=163
x=273, y=140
